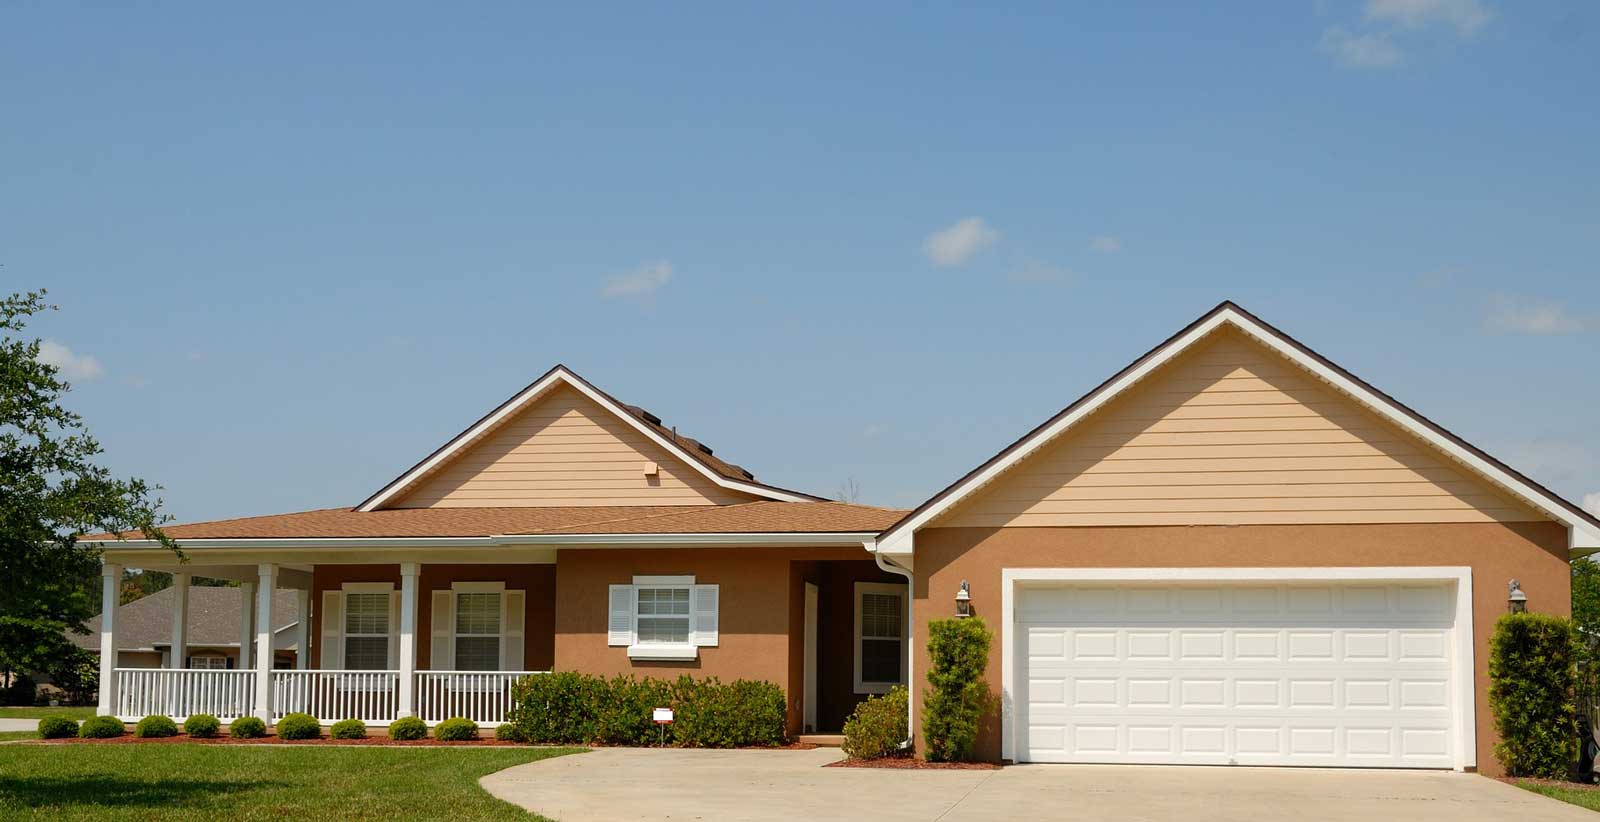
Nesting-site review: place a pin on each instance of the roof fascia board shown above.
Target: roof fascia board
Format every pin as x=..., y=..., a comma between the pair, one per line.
x=1584, y=536
x=561, y=375
x=685, y=540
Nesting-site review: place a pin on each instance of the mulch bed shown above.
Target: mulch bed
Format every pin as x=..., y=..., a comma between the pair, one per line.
x=907, y=763
x=273, y=740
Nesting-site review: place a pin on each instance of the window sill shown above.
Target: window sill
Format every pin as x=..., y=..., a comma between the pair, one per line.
x=663, y=652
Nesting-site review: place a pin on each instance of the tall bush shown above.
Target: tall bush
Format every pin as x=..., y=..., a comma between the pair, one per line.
x=1532, y=678
x=958, y=694
x=578, y=708
x=877, y=726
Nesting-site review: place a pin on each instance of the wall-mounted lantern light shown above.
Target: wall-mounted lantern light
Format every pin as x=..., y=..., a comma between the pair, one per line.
x=1516, y=598
x=964, y=600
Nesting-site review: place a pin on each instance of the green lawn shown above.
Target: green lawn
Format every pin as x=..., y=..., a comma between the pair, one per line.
x=184, y=781
x=41, y=713
x=7, y=736
x=1583, y=796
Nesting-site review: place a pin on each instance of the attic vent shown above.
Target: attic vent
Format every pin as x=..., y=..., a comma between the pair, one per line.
x=649, y=417
x=703, y=447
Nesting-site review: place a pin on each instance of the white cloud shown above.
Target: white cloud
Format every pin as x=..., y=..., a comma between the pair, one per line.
x=1033, y=271
x=1106, y=244
x=956, y=245
x=1368, y=50
x=1591, y=503
x=71, y=365
x=1514, y=315
x=1465, y=16
x=645, y=280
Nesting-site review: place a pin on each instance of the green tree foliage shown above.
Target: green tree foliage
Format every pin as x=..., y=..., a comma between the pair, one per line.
x=51, y=493
x=958, y=694
x=1586, y=625
x=1532, y=673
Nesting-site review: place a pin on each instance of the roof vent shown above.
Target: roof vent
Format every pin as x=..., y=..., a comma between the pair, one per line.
x=703, y=447
x=645, y=415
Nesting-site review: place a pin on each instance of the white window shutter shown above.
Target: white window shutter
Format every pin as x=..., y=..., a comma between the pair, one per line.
x=394, y=630
x=441, y=639
x=705, y=615
x=332, y=653
x=619, y=628
x=511, y=641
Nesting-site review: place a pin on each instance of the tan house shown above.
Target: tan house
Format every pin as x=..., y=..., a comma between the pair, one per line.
x=1233, y=551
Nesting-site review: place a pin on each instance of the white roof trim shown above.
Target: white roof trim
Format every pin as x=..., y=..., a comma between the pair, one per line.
x=1584, y=535
x=560, y=375
x=684, y=539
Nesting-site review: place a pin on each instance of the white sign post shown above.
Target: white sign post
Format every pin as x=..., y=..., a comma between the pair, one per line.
x=663, y=717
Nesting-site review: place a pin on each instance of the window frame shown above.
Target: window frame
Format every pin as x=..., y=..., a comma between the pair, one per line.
x=385, y=588
x=456, y=590
x=688, y=649
x=210, y=660
x=901, y=592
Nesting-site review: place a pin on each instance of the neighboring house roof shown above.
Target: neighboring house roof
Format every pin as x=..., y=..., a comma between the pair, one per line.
x=1583, y=527
x=692, y=452
x=343, y=523
x=146, y=623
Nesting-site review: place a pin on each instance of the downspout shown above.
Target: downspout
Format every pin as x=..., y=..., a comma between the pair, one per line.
x=911, y=654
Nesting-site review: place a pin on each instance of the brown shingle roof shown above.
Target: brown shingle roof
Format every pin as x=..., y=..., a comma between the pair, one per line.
x=213, y=619
x=750, y=517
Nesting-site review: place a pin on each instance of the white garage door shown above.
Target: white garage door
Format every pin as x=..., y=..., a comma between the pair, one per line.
x=1321, y=674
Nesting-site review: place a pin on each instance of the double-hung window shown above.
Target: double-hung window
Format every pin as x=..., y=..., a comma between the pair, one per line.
x=663, y=617
x=880, y=650
x=366, y=631
x=477, y=645
x=477, y=626
x=208, y=663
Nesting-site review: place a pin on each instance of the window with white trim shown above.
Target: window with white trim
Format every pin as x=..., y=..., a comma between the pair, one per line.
x=880, y=647
x=663, y=617
x=477, y=631
x=366, y=631
x=208, y=663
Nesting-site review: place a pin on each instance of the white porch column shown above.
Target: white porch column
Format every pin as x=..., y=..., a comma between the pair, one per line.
x=247, y=623
x=180, y=621
x=110, y=596
x=408, y=637
x=302, y=634
x=269, y=583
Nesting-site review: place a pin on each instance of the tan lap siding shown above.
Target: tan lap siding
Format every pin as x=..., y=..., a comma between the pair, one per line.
x=1232, y=434
x=565, y=450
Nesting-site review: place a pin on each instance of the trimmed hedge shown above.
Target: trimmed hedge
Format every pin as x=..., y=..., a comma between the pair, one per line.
x=299, y=726
x=877, y=727
x=407, y=728
x=508, y=733
x=1532, y=680
x=958, y=695
x=100, y=727
x=455, y=729
x=155, y=726
x=57, y=727
x=348, y=729
x=202, y=726
x=247, y=727
x=574, y=708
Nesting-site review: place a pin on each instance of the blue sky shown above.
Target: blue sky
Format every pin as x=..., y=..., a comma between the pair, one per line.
x=297, y=248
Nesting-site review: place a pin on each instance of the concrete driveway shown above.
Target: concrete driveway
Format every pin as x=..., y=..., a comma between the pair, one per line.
x=635, y=784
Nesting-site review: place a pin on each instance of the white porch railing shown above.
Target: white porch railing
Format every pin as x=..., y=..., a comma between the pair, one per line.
x=481, y=696
x=178, y=693
x=370, y=696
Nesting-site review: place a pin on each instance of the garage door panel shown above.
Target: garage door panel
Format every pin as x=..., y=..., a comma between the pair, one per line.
x=1322, y=675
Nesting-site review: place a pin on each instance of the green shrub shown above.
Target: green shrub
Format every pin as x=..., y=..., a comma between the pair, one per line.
x=569, y=708
x=202, y=726
x=247, y=727
x=348, y=729
x=299, y=726
x=100, y=727
x=155, y=727
x=1532, y=676
x=877, y=727
x=57, y=727
x=408, y=728
x=958, y=695
x=742, y=713
x=456, y=729
x=506, y=732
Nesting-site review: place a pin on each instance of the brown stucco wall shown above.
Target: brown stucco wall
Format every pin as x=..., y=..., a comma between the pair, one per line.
x=1534, y=553
x=758, y=609
x=538, y=619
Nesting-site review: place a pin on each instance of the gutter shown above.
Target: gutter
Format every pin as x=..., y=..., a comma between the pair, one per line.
x=893, y=567
x=677, y=540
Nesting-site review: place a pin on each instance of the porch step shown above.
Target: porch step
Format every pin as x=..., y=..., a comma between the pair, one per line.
x=822, y=740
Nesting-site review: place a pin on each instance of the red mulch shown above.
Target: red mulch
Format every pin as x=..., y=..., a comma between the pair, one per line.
x=129, y=739
x=907, y=763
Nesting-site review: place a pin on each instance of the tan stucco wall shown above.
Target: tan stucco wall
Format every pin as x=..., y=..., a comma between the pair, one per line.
x=1534, y=553
x=537, y=580
x=757, y=612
